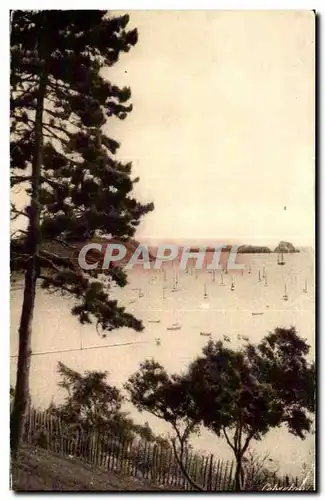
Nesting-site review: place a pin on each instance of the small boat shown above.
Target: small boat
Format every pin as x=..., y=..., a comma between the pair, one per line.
x=239, y=337
x=175, y=285
x=305, y=290
x=226, y=338
x=257, y=314
x=132, y=301
x=205, y=334
x=153, y=320
x=157, y=340
x=174, y=326
x=281, y=261
x=285, y=296
x=205, y=292
x=245, y=338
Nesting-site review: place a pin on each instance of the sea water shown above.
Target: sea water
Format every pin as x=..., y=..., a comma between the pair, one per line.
x=58, y=336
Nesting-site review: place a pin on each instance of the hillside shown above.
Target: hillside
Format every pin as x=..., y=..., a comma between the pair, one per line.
x=40, y=470
x=75, y=247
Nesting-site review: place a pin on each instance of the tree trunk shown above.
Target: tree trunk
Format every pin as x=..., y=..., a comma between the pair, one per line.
x=25, y=331
x=238, y=474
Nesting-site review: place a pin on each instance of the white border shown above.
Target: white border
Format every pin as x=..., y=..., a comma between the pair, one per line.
x=4, y=182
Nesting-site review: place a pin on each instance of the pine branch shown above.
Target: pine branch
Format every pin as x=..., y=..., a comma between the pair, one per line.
x=14, y=213
x=53, y=135
x=17, y=179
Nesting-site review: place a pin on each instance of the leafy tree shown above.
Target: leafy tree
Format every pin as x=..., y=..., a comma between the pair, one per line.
x=92, y=404
x=64, y=160
x=238, y=394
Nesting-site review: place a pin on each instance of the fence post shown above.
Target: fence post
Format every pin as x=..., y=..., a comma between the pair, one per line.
x=209, y=480
x=230, y=486
x=189, y=465
x=137, y=459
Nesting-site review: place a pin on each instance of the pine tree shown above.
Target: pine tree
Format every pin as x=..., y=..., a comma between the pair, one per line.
x=62, y=156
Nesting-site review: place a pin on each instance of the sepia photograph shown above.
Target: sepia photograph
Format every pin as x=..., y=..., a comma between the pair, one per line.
x=162, y=250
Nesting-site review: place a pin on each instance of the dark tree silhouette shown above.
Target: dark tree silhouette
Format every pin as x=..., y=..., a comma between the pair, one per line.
x=64, y=160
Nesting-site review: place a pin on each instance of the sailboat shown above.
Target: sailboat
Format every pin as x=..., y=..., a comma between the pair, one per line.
x=285, y=296
x=205, y=292
x=232, y=288
x=281, y=261
x=305, y=290
x=175, y=285
x=265, y=283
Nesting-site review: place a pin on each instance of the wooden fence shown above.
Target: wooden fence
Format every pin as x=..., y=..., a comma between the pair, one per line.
x=137, y=458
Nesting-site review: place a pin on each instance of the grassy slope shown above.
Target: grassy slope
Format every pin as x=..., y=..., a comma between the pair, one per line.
x=40, y=470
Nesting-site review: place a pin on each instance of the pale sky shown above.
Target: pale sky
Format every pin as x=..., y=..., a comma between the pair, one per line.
x=222, y=132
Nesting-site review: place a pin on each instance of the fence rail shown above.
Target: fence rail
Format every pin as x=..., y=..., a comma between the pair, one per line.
x=137, y=458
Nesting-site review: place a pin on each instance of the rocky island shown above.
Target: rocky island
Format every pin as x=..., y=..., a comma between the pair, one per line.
x=285, y=247
x=253, y=249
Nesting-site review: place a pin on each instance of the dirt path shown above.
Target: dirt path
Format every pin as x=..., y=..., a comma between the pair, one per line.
x=40, y=470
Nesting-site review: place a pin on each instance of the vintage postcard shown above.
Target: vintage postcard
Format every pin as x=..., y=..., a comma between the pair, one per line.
x=162, y=250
